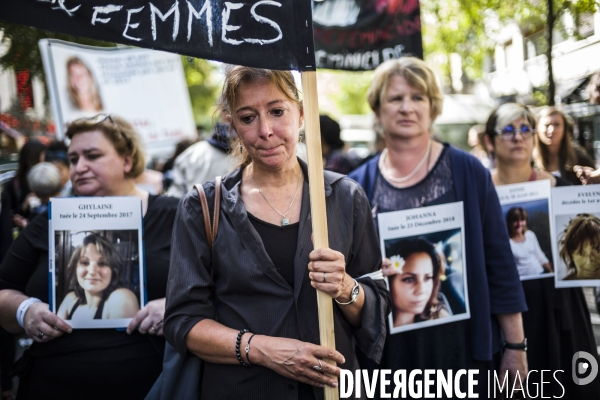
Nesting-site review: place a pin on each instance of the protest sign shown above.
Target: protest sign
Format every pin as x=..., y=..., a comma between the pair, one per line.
x=359, y=35
x=264, y=33
x=146, y=87
x=97, y=271
x=428, y=280
x=526, y=210
x=576, y=214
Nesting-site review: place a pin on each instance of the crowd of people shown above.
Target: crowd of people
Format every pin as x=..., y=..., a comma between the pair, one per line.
x=240, y=295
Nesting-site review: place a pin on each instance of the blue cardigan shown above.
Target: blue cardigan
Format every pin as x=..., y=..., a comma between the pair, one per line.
x=492, y=277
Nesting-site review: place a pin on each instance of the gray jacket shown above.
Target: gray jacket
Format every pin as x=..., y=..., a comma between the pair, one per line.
x=248, y=292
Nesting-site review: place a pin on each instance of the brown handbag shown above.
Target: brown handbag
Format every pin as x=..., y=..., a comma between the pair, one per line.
x=211, y=228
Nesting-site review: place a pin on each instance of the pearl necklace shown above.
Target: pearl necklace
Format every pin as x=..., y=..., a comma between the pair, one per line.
x=388, y=174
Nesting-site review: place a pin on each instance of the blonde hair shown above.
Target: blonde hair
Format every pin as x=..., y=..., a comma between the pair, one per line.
x=129, y=143
x=418, y=75
x=73, y=94
x=234, y=77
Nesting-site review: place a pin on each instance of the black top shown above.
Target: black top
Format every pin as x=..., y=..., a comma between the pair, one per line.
x=97, y=315
x=280, y=244
x=25, y=269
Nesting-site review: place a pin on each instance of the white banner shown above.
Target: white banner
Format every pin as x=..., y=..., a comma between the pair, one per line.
x=576, y=213
x=96, y=261
x=526, y=210
x=428, y=276
x=146, y=87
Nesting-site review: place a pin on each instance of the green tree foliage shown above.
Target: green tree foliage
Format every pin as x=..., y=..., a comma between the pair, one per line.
x=351, y=98
x=467, y=27
x=204, y=89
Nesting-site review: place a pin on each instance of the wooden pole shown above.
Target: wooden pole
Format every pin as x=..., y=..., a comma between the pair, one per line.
x=317, y=207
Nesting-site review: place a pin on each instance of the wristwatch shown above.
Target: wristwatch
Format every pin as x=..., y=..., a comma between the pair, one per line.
x=353, y=294
x=516, y=346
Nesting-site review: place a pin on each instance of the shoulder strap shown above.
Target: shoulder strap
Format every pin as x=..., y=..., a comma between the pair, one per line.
x=211, y=228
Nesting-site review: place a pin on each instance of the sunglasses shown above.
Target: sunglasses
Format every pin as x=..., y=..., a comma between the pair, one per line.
x=509, y=132
x=100, y=118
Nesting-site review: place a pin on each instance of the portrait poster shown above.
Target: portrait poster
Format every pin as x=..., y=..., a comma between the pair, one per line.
x=96, y=265
x=576, y=214
x=526, y=211
x=146, y=87
x=428, y=282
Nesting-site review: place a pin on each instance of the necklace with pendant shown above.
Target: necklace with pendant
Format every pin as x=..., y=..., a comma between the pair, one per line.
x=284, y=221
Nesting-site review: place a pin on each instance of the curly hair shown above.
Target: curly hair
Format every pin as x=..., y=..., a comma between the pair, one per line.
x=581, y=231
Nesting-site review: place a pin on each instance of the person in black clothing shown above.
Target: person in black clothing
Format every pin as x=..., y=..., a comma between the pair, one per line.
x=63, y=363
x=557, y=323
x=261, y=296
x=16, y=190
x=333, y=147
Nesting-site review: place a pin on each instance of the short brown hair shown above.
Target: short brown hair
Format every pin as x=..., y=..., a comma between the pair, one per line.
x=236, y=75
x=120, y=142
x=418, y=75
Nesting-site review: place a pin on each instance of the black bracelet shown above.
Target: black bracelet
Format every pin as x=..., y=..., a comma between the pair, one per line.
x=237, y=347
x=247, y=349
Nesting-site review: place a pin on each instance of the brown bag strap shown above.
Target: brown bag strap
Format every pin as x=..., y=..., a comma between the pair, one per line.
x=211, y=229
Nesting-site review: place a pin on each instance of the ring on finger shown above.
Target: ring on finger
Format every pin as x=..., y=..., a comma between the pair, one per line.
x=324, y=273
x=318, y=367
x=152, y=329
x=41, y=335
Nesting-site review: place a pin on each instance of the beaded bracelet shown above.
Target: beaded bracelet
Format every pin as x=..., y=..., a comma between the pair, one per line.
x=247, y=349
x=237, y=347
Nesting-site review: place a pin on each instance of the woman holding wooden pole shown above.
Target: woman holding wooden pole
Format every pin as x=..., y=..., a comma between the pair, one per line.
x=247, y=306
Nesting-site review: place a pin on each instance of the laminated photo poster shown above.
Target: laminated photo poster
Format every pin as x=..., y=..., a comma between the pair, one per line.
x=427, y=278
x=526, y=211
x=96, y=267
x=576, y=214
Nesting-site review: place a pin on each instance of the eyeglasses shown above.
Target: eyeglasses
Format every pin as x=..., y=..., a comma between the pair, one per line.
x=100, y=118
x=509, y=132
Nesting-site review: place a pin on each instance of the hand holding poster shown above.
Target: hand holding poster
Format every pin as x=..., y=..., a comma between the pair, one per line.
x=525, y=207
x=96, y=260
x=427, y=276
x=576, y=212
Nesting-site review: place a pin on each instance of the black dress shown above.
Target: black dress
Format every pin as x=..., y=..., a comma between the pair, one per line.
x=557, y=326
x=90, y=363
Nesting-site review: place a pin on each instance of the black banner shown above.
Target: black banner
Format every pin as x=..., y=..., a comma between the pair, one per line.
x=359, y=35
x=257, y=33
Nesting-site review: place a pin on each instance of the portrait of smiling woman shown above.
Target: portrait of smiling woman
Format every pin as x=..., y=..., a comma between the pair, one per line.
x=95, y=270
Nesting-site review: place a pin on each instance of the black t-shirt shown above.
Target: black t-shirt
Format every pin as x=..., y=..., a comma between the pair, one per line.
x=280, y=244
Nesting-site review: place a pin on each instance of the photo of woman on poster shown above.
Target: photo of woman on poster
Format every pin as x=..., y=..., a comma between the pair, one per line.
x=579, y=247
x=528, y=254
x=95, y=270
x=415, y=285
x=81, y=86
